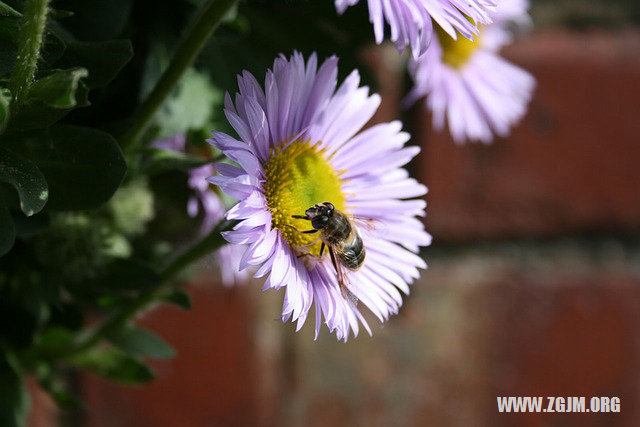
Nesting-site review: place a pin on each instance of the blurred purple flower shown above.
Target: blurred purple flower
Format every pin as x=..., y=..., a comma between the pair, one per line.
x=299, y=145
x=469, y=85
x=205, y=199
x=412, y=21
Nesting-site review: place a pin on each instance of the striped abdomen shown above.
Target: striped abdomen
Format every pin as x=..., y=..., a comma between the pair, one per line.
x=341, y=235
x=351, y=253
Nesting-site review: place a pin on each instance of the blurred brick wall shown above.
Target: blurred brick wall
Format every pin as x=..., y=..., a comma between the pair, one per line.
x=212, y=380
x=572, y=164
x=520, y=299
x=484, y=322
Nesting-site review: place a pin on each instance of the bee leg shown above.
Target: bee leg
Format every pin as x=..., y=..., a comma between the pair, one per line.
x=321, y=248
x=333, y=261
x=300, y=217
x=338, y=271
x=303, y=232
x=291, y=226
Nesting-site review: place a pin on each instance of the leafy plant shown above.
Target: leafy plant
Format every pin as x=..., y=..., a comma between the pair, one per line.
x=85, y=87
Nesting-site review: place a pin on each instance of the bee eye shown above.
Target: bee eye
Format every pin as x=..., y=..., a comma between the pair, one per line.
x=329, y=205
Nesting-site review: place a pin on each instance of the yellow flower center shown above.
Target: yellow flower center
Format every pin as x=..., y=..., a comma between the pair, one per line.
x=298, y=177
x=456, y=53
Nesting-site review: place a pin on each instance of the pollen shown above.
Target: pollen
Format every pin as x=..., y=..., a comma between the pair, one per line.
x=456, y=53
x=297, y=177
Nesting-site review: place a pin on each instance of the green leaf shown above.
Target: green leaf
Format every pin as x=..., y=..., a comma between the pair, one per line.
x=38, y=114
x=27, y=179
x=58, y=90
x=103, y=59
x=6, y=10
x=56, y=385
x=63, y=397
x=112, y=301
x=53, y=338
x=96, y=19
x=5, y=100
x=115, y=365
x=14, y=400
x=58, y=14
x=142, y=342
x=7, y=229
x=83, y=166
x=179, y=298
x=53, y=47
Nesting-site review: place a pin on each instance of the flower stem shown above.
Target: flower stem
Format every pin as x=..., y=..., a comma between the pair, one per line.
x=197, y=34
x=32, y=27
x=207, y=245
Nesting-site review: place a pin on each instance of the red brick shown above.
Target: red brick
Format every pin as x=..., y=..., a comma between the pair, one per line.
x=210, y=382
x=573, y=337
x=518, y=331
x=572, y=164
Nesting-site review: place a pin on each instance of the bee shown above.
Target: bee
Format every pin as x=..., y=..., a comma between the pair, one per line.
x=339, y=234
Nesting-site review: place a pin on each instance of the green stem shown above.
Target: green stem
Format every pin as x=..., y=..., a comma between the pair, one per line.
x=207, y=245
x=197, y=34
x=30, y=40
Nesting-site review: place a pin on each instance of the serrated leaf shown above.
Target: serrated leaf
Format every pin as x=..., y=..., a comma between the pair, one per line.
x=179, y=298
x=142, y=342
x=7, y=229
x=26, y=178
x=115, y=365
x=103, y=59
x=58, y=90
x=82, y=166
x=14, y=401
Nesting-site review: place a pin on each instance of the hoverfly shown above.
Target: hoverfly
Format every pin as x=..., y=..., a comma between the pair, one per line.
x=339, y=234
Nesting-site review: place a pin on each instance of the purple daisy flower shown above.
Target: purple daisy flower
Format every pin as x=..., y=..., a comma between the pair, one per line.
x=298, y=146
x=412, y=21
x=469, y=86
x=206, y=200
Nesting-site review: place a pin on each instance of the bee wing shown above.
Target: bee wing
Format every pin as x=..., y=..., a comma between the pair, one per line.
x=370, y=225
x=342, y=277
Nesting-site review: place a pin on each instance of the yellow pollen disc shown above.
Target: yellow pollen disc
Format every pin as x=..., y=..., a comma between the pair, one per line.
x=456, y=53
x=298, y=177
